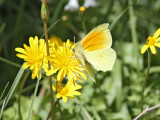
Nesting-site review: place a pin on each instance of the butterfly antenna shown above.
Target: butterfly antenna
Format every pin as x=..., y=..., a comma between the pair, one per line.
x=74, y=39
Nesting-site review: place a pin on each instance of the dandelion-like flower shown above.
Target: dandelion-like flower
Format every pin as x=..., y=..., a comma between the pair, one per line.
x=67, y=91
x=54, y=40
x=65, y=63
x=33, y=55
x=152, y=42
x=82, y=8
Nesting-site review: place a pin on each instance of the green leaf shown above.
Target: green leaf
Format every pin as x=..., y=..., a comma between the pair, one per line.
x=122, y=115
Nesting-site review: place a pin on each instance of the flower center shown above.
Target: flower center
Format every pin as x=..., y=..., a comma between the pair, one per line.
x=150, y=41
x=64, y=91
x=37, y=58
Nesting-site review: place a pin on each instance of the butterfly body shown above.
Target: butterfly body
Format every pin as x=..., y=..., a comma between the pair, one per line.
x=95, y=52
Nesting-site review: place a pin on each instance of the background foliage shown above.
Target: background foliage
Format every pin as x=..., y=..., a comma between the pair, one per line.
x=121, y=87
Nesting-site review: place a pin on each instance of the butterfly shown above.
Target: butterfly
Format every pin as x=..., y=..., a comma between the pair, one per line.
x=94, y=50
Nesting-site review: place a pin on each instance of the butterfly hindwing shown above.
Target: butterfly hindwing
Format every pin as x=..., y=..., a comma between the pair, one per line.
x=101, y=60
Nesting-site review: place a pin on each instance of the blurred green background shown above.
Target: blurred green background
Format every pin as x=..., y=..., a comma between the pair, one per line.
x=20, y=19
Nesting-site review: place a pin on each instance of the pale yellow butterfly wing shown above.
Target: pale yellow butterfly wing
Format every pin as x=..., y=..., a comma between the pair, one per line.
x=94, y=51
x=101, y=60
x=97, y=39
x=90, y=70
x=79, y=54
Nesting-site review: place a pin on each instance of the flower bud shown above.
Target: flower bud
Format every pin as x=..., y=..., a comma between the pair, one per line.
x=44, y=10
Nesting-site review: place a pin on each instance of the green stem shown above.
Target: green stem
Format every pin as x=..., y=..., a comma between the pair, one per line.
x=60, y=110
x=57, y=10
x=83, y=21
x=134, y=36
x=146, y=78
x=49, y=114
x=28, y=88
x=50, y=27
x=10, y=62
x=120, y=16
x=19, y=94
x=17, y=26
x=2, y=28
x=49, y=67
x=101, y=93
x=59, y=107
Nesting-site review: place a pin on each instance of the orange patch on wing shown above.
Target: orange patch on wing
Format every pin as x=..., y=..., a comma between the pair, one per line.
x=94, y=41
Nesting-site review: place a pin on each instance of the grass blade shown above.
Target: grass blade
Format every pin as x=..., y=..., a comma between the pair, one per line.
x=10, y=62
x=14, y=85
x=51, y=27
x=35, y=92
x=85, y=114
x=120, y=16
x=3, y=107
x=4, y=91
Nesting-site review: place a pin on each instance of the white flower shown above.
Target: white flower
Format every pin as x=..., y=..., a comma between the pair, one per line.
x=72, y=5
x=90, y=3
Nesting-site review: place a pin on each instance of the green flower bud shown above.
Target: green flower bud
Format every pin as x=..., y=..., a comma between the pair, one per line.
x=44, y=11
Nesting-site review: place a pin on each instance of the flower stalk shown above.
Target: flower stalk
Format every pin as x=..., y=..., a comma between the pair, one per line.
x=146, y=78
x=45, y=17
x=81, y=13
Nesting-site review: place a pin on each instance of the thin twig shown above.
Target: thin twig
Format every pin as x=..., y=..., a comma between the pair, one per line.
x=45, y=16
x=146, y=110
x=60, y=111
x=49, y=66
x=49, y=114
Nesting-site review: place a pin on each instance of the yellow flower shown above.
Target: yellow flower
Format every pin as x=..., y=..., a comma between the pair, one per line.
x=82, y=8
x=54, y=40
x=67, y=91
x=33, y=55
x=152, y=42
x=64, y=62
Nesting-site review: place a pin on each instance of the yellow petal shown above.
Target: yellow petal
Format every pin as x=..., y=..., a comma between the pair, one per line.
x=25, y=65
x=75, y=93
x=158, y=39
x=60, y=75
x=156, y=34
x=70, y=75
x=31, y=41
x=53, y=87
x=157, y=45
x=82, y=75
x=64, y=99
x=52, y=71
x=21, y=50
x=77, y=87
x=144, y=48
x=58, y=95
x=33, y=76
x=21, y=56
x=153, y=50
